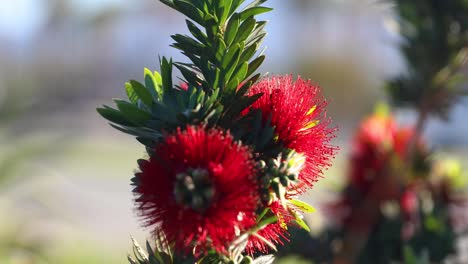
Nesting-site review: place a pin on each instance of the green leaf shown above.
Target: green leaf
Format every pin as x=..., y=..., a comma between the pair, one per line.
x=130, y=260
x=232, y=64
x=253, y=11
x=303, y=206
x=235, y=4
x=220, y=50
x=189, y=10
x=433, y=224
x=154, y=255
x=142, y=93
x=266, y=241
x=189, y=74
x=241, y=72
x=231, y=29
x=258, y=34
x=230, y=89
x=245, y=87
x=409, y=256
x=223, y=10
x=249, y=52
x=114, y=116
x=231, y=57
x=211, y=26
x=254, y=65
x=169, y=3
x=153, y=85
x=245, y=29
x=139, y=252
x=132, y=96
x=157, y=78
x=263, y=223
x=215, y=79
x=263, y=213
x=187, y=44
x=300, y=221
x=255, y=3
x=133, y=113
x=166, y=73
x=268, y=259
x=196, y=32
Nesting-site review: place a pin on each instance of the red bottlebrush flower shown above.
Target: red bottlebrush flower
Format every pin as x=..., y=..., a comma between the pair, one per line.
x=402, y=140
x=275, y=233
x=298, y=114
x=377, y=141
x=371, y=145
x=199, y=188
x=377, y=130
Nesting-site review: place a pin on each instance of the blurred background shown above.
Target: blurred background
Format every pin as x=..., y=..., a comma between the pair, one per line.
x=65, y=194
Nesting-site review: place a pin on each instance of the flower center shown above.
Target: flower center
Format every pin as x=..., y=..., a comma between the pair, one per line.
x=194, y=189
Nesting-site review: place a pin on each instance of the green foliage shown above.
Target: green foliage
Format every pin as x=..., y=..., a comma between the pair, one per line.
x=152, y=109
x=435, y=40
x=436, y=237
x=222, y=54
x=164, y=254
x=223, y=49
x=161, y=255
x=433, y=241
x=253, y=131
x=409, y=257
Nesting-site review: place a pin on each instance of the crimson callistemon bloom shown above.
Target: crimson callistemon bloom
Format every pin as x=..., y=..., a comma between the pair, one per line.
x=402, y=140
x=275, y=233
x=377, y=130
x=370, y=148
x=297, y=112
x=377, y=139
x=199, y=188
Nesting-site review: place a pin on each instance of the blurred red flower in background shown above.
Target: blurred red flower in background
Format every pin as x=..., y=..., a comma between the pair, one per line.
x=375, y=174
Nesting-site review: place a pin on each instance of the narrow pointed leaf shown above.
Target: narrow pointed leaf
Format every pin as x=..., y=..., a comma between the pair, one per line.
x=132, y=96
x=196, y=32
x=114, y=116
x=133, y=113
x=300, y=221
x=152, y=85
x=255, y=64
x=144, y=95
x=254, y=4
x=245, y=29
x=231, y=29
x=303, y=206
x=166, y=74
x=253, y=11
x=189, y=10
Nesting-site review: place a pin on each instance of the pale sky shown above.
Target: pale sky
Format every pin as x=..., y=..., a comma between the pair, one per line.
x=20, y=18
